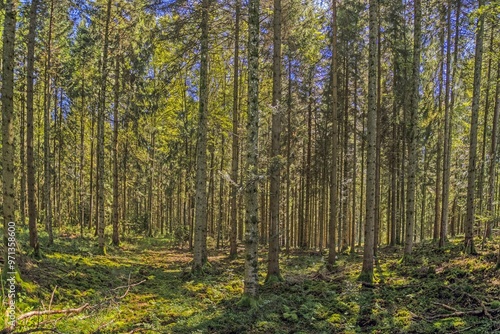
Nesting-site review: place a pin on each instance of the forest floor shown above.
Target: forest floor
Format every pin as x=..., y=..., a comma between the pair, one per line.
x=144, y=287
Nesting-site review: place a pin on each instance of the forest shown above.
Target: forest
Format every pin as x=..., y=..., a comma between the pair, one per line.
x=256, y=166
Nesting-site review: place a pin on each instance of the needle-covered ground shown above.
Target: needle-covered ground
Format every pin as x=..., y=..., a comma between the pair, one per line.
x=443, y=291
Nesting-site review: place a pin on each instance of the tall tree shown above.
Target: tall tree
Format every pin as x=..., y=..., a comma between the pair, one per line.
x=252, y=172
x=334, y=139
x=493, y=157
x=449, y=105
x=235, y=136
x=114, y=215
x=9, y=35
x=367, y=270
x=100, y=134
x=471, y=178
x=273, y=268
x=46, y=132
x=32, y=212
x=412, y=130
x=200, y=231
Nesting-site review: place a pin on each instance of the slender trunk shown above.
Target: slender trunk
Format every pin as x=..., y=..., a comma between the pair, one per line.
x=354, y=160
x=413, y=131
x=288, y=221
x=235, y=137
x=100, y=136
x=114, y=216
x=345, y=182
x=22, y=158
x=82, y=155
x=367, y=270
x=273, y=268
x=438, y=185
x=221, y=194
x=425, y=162
x=150, y=181
x=485, y=128
x=378, y=138
x=91, y=176
x=251, y=219
x=333, y=167
x=307, y=199
x=32, y=211
x=46, y=135
x=493, y=157
x=200, y=241
x=471, y=179
x=9, y=193
x=448, y=108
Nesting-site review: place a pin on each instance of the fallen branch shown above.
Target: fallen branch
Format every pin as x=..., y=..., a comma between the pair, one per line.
x=48, y=312
x=39, y=330
x=479, y=301
x=458, y=313
x=485, y=310
x=449, y=308
x=40, y=313
x=128, y=286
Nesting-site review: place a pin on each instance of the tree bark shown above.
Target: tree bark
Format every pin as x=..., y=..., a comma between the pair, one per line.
x=412, y=132
x=100, y=136
x=32, y=212
x=471, y=178
x=439, y=148
x=200, y=235
x=367, y=269
x=46, y=135
x=485, y=127
x=251, y=181
x=334, y=119
x=493, y=157
x=273, y=268
x=114, y=216
x=448, y=108
x=8, y=61
x=235, y=137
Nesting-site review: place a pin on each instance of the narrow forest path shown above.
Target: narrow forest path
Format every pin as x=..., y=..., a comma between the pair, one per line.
x=145, y=287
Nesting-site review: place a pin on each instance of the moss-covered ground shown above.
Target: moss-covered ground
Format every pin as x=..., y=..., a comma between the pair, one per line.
x=424, y=297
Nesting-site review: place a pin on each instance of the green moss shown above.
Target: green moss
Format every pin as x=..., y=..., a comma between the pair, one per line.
x=247, y=301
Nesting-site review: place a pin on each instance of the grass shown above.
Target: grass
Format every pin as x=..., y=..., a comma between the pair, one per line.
x=404, y=299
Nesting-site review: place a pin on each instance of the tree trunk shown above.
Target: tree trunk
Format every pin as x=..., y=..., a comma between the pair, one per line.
x=200, y=237
x=32, y=212
x=22, y=157
x=493, y=158
x=273, y=268
x=100, y=136
x=413, y=132
x=288, y=221
x=448, y=108
x=471, y=179
x=221, y=194
x=439, y=149
x=8, y=61
x=235, y=138
x=46, y=134
x=333, y=168
x=345, y=182
x=367, y=270
x=485, y=128
x=114, y=216
x=354, y=160
x=251, y=182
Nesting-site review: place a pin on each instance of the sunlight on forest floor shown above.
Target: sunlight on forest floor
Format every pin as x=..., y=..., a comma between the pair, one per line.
x=405, y=299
